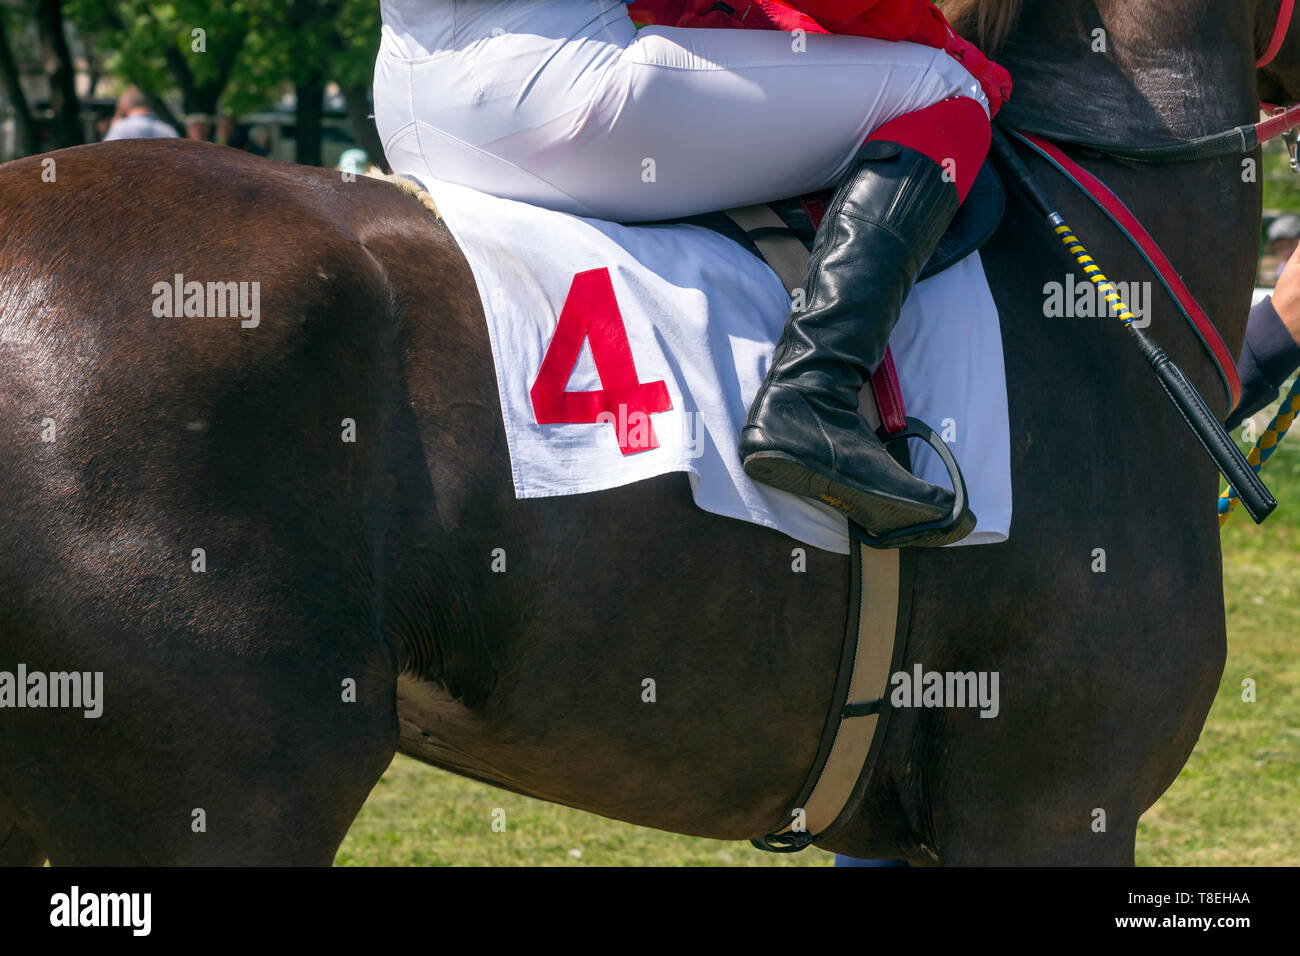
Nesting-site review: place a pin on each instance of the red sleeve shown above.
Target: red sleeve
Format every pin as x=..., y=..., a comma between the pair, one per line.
x=917, y=21
x=913, y=20
x=664, y=13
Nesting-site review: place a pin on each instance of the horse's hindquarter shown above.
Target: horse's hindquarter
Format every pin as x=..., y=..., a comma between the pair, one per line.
x=235, y=524
x=190, y=518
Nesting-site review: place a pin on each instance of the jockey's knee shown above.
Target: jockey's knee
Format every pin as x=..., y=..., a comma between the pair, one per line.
x=948, y=78
x=955, y=133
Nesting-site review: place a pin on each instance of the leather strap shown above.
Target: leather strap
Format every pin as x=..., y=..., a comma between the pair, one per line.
x=871, y=635
x=1136, y=233
x=872, y=628
x=1282, y=121
x=1279, y=33
x=879, y=614
x=788, y=258
x=1237, y=141
x=783, y=252
x=888, y=393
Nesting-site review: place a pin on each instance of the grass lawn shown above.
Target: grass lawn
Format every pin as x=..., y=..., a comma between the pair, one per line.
x=1234, y=804
x=1237, y=801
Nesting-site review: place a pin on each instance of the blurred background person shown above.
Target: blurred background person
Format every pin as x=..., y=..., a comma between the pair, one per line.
x=198, y=126
x=258, y=141
x=230, y=133
x=1271, y=351
x=134, y=119
x=1283, y=239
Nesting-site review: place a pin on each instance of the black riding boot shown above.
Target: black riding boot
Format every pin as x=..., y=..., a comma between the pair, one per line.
x=804, y=433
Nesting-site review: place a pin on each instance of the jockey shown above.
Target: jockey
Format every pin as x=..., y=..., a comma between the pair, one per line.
x=564, y=104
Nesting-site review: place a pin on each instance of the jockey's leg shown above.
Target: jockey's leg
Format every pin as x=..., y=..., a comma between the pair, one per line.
x=563, y=104
x=804, y=433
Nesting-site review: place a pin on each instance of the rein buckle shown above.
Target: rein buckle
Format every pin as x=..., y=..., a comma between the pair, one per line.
x=1290, y=137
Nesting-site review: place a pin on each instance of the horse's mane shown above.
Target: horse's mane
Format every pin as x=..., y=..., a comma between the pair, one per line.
x=984, y=22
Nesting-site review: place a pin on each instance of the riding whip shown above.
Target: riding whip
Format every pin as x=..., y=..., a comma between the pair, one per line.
x=1191, y=406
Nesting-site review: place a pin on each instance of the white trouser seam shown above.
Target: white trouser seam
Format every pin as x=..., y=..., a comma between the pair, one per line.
x=528, y=173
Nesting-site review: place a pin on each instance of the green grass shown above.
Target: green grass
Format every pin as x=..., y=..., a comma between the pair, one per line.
x=1281, y=185
x=420, y=816
x=1234, y=804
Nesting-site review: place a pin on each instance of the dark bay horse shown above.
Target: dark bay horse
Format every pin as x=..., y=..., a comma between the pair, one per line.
x=277, y=542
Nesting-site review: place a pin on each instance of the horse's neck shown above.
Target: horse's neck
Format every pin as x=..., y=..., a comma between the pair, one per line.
x=1172, y=69
x=1158, y=69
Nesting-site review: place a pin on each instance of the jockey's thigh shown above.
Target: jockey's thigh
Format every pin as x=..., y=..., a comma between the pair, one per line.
x=563, y=103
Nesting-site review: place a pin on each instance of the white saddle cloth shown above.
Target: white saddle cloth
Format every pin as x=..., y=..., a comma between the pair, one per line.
x=695, y=312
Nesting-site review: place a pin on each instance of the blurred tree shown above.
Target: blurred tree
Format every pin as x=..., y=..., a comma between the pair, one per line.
x=1281, y=184
x=357, y=35
x=234, y=56
x=24, y=123
x=325, y=40
x=308, y=54
x=65, y=130
x=191, y=46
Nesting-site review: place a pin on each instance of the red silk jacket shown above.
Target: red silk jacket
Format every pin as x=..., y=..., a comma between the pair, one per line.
x=917, y=21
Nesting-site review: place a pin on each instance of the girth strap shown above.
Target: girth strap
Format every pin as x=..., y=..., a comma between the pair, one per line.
x=852, y=737
x=878, y=610
x=766, y=230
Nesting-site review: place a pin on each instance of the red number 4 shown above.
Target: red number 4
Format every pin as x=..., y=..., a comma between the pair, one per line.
x=591, y=312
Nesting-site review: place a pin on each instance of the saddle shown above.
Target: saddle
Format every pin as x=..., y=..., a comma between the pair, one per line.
x=781, y=234
x=975, y=222
x=769, y=232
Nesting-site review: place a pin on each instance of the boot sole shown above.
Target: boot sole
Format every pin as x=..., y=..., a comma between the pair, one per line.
x=878, y=512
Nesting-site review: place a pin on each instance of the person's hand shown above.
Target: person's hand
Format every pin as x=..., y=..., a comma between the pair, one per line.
x=1286, y=295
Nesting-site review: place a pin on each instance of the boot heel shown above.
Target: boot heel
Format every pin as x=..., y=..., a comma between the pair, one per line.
x=780, y=470
x=877, y=511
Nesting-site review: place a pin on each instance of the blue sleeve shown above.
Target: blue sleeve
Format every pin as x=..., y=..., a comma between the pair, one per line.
x=1268, y=357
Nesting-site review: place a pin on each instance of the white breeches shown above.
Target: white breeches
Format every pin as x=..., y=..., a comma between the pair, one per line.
x=563, y=103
